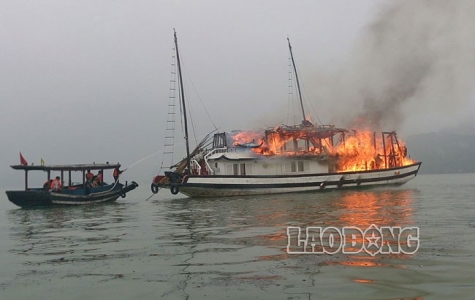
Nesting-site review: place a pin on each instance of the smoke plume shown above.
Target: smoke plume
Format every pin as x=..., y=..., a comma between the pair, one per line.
x=415, y=54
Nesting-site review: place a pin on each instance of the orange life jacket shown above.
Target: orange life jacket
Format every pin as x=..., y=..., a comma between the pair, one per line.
x=89, y=176
x=116, y=173
x=55, y=184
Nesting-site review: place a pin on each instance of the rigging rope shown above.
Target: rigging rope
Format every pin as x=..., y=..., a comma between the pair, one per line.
x=190, y=107
x=201, y=100
x=148, y=156
x=305, y=98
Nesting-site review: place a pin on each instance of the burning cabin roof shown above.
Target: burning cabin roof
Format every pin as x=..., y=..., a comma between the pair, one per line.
x=349, y=150
x=307, y=130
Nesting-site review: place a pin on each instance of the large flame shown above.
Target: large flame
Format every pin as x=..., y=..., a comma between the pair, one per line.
x=365, y=151
x=248, y=137
x=354, y=151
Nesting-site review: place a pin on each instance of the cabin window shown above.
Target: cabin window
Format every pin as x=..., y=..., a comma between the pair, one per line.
x=243, y=169
x=297, y=166
x=235, y=169
x=292, y=167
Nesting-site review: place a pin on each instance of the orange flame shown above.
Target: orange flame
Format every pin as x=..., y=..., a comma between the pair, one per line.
x=356, y=151
x=247, y=137
x=364, y=151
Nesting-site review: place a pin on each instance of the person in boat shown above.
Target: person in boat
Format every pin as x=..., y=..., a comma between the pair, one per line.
x=116, y=174
x=47, y=184
x=89, y=176
x=98, y=178
x=55, y=185
x=89, y=179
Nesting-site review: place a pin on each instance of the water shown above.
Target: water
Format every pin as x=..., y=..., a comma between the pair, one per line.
x=235, y=248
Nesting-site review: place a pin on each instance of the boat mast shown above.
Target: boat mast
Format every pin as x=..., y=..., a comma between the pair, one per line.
x=297, y=79
x=182, y=93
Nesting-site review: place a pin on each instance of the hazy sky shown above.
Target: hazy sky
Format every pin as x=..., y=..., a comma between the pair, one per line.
x=84, y=81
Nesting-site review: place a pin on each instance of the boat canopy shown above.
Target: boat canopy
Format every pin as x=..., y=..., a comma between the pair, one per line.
x=75, y=167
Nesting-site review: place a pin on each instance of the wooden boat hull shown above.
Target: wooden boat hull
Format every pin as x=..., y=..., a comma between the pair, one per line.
x=29, y=198
x=222, y=186
x=37, y=197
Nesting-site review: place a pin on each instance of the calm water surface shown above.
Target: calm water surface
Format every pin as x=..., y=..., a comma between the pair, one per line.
x=235, y=248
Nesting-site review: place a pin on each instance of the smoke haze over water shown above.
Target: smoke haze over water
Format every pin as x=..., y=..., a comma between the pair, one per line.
x=415, y=55
x=89, y=81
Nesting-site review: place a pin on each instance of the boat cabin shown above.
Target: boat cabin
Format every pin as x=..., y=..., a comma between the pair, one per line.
x=300, y=149
x=64, y=169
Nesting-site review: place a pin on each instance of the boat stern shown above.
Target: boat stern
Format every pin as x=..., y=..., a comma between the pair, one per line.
x=29, y=198
x=127, y=188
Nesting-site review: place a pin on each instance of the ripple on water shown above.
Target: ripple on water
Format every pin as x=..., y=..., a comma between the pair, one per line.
x=210, y=248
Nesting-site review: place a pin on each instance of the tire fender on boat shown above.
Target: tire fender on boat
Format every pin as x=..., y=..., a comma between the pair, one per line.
x=122, y=194
x=154, y=188
x=322, y=185
x=340, y=183
x=174, y=189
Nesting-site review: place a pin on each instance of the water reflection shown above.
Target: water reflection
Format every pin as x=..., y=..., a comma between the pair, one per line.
x=262, y=220
x=383, y=208
x=250, y=234
x=66, y=234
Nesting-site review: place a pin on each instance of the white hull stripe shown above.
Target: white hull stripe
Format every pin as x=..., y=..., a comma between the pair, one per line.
x=202, y=186
x=302, y=182
x=80, y=202
x=217, y=192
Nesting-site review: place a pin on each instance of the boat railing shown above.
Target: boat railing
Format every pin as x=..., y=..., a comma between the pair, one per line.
x=195, y=164
x=211, y=152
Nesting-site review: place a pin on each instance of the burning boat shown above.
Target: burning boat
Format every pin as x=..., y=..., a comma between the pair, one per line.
x=286, y=159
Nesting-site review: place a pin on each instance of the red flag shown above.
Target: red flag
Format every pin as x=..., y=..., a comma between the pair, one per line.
x=23, y=160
